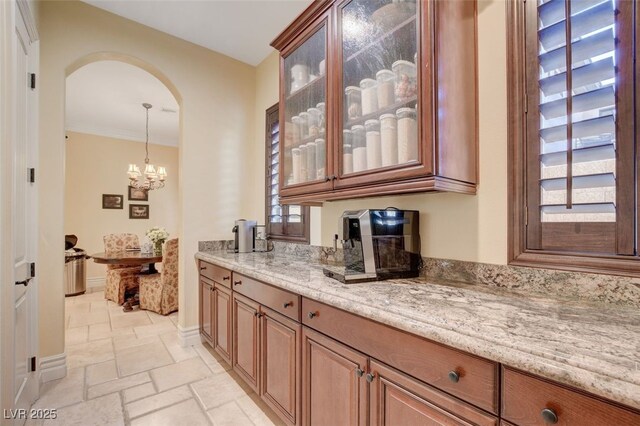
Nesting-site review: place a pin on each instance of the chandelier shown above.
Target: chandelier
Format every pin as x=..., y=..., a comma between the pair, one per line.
x=152, y=179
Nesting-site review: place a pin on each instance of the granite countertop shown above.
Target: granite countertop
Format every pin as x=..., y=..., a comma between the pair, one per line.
x=592, y=347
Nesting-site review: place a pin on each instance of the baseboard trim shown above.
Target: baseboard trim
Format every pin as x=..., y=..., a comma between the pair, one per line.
x=53, y=367
x=189, y=336
x=95, y=284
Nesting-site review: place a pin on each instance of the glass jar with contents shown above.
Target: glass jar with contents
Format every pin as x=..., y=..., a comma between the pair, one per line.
x=296, y=130
x=354, y=105
x=407, y=135
x=296, y=165
x=311, y=161
x=359, y=148
x=321, y=155
x=406, y=83
x=304, y=124
x=314, y=121
x=386, y=88
x=369, y=88
x=374, y=159
x=389, y=139
x=347, y=151
x=323, y=119
x=303, y=163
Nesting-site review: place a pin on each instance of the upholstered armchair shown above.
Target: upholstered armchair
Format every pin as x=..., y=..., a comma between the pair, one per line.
x=159, y=292
x=120, y=278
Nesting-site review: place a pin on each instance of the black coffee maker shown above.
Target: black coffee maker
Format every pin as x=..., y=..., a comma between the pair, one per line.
x=379, y=245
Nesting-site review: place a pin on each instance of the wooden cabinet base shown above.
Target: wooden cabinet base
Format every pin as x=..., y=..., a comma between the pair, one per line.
x=397, y=399
x=246, y=347
x=334, y=390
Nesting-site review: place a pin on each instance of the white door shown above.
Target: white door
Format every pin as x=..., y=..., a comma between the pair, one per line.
x=24, y=224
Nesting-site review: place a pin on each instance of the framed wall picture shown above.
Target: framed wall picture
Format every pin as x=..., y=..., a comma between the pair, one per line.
x=136, y=194
x=138, y=211
x=112, y=201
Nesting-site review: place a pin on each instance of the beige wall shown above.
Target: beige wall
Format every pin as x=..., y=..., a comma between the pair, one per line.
x=216, y=95
x=96, y=165
x=454, y=226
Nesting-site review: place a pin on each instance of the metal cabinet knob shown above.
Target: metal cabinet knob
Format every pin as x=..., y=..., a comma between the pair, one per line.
x=454, y=376
x=549, y=416
x=370, y=377
x=237, y=282
x=311, y=315
x=359, y=372
x=202, y=268
x=225, y=278
x=286, y=305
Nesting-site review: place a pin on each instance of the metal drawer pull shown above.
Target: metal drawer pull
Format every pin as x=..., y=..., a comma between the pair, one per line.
x=237, y=282
x=370, y=377
x=225, y=278
x=286, y=305
x=454, y=376
x=549, y=416
x=312, y=314
x=359, y=372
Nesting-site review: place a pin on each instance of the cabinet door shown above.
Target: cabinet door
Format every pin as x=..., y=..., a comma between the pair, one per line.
x=205, y=310
x=381, y=69
x=305, y=151
x=397, y=399
x=246, y=339
x=222, y=313
x=334, y=391
x=280, y=364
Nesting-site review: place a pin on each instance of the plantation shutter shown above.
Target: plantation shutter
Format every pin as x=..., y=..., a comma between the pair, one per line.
x=580, y=165
x=283, y=222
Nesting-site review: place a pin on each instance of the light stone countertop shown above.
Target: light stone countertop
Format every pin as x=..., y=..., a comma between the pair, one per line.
x=591, y=347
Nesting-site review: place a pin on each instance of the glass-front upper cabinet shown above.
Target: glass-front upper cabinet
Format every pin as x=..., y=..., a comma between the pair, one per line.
x=379, y=51
x=304, y=95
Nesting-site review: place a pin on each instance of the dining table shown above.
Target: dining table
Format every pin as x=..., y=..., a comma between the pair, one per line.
x=129, y=257
x=132, y=258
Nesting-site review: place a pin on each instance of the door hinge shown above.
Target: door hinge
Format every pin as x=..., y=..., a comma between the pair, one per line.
x=526, y=216
x=32, y=81
x=32, y=269
x=33, y=363
x=526, y=103
x=31, y=175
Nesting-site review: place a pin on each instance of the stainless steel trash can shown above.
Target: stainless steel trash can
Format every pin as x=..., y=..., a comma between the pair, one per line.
x=75, y=272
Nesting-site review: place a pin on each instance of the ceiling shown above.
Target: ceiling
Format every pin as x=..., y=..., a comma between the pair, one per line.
x=241, y=29
x=105, y=98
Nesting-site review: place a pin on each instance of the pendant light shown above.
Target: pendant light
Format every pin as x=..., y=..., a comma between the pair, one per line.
x=152, y=179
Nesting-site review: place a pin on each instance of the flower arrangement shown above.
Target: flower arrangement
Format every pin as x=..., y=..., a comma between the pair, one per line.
x=157, y=236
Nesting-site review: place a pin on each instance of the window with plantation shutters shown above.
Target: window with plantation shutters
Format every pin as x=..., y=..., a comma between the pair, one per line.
x=577, y=128
x=284, y=222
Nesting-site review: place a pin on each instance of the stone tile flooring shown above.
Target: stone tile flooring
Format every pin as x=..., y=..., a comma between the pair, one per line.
x=128, y=368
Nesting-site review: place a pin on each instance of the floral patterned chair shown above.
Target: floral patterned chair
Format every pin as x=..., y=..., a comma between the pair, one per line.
x=120, y=278
x=159, y=292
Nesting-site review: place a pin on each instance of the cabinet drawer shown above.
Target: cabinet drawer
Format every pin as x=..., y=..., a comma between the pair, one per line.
x=466, y=376
x=216, y=273
x=524, y=398
x=281, y=301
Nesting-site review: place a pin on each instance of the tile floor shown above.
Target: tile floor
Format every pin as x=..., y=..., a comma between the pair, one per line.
x=128, y=368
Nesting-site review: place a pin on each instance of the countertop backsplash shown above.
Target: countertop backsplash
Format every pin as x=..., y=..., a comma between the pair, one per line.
x=582, y=287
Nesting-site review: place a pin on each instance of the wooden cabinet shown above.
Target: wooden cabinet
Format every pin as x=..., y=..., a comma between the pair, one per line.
x=222, y=313
x=206, y=318
x=280, y=364
x=397, y=399
x=378, y=98
x=337, y=368
x=463, y=375
x=334, y=390
x=246, y=345
x=529, y=401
